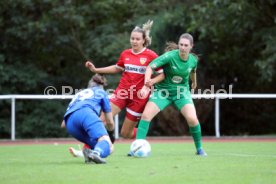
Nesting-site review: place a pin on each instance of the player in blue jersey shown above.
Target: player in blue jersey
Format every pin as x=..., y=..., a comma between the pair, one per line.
x=83, y=123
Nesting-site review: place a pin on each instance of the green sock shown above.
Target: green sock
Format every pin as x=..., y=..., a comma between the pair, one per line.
x=143, y=129
x=196, y=133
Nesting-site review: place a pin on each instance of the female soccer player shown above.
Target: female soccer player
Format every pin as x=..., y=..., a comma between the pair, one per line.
x=83, y=123
x=132, y=63
x=178, y=65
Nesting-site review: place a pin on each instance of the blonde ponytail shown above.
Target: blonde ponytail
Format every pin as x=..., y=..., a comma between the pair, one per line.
x=145, y=30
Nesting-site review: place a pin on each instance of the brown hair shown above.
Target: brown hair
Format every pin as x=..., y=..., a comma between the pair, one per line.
x=171, y=46
x=187, y=36
x=97, y=79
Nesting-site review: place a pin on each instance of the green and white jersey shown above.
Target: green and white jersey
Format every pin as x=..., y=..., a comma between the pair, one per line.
x=176, y=70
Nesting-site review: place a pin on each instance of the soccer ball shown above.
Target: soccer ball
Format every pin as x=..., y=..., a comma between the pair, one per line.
x=140, y=148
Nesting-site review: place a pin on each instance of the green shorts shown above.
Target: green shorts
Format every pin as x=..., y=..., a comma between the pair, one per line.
x=163, y=99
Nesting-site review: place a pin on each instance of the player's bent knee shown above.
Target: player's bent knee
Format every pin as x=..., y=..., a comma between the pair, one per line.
x=192, y=121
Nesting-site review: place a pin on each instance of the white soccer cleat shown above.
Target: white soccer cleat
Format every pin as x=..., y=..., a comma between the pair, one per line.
x=201, y=152
x=92, y=157
x=75, y=153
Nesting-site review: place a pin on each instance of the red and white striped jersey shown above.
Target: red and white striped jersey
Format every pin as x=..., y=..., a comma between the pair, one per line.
x=134, y=66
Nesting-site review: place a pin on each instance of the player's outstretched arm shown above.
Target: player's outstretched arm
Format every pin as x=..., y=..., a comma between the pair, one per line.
x=104, y=70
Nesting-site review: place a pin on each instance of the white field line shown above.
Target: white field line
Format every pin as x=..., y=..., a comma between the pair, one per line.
x=247, y=155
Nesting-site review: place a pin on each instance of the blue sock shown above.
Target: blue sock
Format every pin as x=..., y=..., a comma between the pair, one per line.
x=103, y=148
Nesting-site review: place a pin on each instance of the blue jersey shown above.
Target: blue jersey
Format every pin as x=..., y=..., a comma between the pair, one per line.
x=95, y=98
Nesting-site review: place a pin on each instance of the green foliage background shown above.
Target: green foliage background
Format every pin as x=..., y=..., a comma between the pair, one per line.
x=46, y=42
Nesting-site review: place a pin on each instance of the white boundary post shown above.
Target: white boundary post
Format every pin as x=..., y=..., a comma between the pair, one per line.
x=13, y=119
x=217, y=122
x=116, y=126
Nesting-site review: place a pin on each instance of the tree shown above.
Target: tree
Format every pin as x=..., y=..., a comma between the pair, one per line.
x=45, y=43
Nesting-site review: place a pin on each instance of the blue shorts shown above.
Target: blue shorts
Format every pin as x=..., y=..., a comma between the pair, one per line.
x=85, y=126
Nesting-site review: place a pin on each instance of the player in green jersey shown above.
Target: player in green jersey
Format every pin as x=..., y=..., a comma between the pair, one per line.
x=179, y=66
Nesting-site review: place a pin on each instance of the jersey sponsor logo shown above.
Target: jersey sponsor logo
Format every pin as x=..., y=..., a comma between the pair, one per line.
x=143, y=60
x=142, y=70
x=135, y=69
x=127, y=59
x=177, y=79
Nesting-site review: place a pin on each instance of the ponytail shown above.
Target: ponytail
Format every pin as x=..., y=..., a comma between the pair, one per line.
x=145, y=30
x=171, y=46
x=97, y=80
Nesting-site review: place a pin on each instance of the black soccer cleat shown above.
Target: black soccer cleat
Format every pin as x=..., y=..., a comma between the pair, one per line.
x=130, y=154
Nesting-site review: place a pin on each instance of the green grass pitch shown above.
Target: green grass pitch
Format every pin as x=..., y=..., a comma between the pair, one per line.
x=170, y=163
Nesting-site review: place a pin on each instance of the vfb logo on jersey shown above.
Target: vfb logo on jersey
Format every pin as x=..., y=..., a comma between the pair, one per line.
x=143, y=60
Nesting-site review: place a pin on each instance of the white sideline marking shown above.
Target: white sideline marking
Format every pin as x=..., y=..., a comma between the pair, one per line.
x=249, y=155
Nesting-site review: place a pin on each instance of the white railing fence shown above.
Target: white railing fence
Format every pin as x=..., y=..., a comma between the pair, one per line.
x=215, y=97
